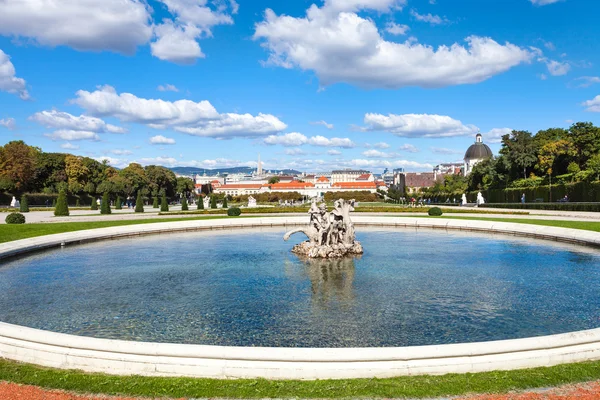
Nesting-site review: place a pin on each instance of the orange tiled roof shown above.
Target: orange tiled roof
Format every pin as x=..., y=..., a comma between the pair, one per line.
x=241, y=186
x=355, y=185
x=323, y=179
x=363, y=177
x=291, y=185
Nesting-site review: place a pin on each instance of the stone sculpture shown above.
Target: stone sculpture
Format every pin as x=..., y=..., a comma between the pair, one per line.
x=464, y=200
x=330, y=234
x=206, y=202
x=251, y=202
x=480, y=199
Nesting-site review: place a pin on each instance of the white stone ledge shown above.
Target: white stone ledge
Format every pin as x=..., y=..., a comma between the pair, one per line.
x=162, y=359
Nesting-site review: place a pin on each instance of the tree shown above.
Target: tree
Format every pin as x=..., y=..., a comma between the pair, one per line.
x=273, y=180
x=155, y=201
x=160, y=178
x=586, y=139
x=225, y=202
x=184, y=186
x=139, y=203
x=520, y=149
x=105, y=205
x=213, y=202
x=118, y=203
x=164, y=205
x=62, y=208
x=184, y=204
x=94, y=205
x=200, y=203
x=552, y=154
x=17, y=165
x=136, y=176
x=77, y=173
x=24, y=207
x=593, y=165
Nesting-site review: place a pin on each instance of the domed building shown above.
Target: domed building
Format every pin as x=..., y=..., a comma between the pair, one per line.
x=476, y=153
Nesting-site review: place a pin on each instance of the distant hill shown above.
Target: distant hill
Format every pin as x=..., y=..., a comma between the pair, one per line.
x=236, y=170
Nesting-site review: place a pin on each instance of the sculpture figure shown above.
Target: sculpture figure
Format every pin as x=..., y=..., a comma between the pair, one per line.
x=251, y=202
x=464, y=200
x=330, y=234
x=480, y=199
x=206, y=202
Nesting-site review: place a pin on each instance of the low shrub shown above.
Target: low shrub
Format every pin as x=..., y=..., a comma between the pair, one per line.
x=234, y=212
x=164, y=206
x=184, y=204
x=15, y=218
x=24, y=207
x=119, y=203
x=435, y=211
x=139, y=203
x=225, y=202
x=155, y=202
x=94, y=205
x=200, y=203
x=105, y=205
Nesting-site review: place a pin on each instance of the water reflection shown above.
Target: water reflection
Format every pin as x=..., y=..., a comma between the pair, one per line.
x=331, y=280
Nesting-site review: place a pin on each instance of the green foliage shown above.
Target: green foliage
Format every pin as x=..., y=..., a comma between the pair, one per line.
x=24, y=207
x=119, y=203
x=94, y=205
x=77, y=203
x=164, y=205
x=105, y=205
x=520, y=149
x=273, y=180
x=155, y=202
x=200, y=201
x=435, y=211
x=62, y=208
x=225, y=202
x=15, y=218
x=184, y=204
x=213, y=202
x=593, y=165
x=234, y=212
x=53, y=202
x=139, y=203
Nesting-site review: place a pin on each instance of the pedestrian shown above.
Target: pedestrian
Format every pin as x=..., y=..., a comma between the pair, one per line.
x=523, y=199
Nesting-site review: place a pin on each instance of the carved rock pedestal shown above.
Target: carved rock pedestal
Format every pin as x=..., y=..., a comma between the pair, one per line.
x=313, y=250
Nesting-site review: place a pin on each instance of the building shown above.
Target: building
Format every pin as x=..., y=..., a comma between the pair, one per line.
x=476, y=153
x=204, y=179
x=413, y=182
x=347, y=175
x=236, y=189
x=449, y=169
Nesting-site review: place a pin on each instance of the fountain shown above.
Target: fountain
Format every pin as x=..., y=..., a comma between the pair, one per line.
x=330, y=234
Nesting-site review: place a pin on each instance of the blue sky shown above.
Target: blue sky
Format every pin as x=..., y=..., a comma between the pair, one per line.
x=308, y=85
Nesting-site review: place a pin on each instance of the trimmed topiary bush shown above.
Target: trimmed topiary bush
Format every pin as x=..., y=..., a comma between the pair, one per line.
x=225, y=202
x=15, y=218
x=213, y=202
x=184, y=204
x=155, y=202
x=94, y=205
x=200, y=203
x=164, y=206
x=62, y=208
x=105, y=205
x=24, y=207
x=139, y=203
x=435, y=211
x=53, y=202
x=77, y=204
x=119, y=203
x=234, y=212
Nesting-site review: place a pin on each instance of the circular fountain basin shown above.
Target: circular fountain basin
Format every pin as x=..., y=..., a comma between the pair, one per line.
x=238, y=304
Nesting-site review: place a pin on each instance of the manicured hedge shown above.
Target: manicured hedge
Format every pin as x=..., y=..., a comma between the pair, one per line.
x=234, y=212
x=435, y=211
x=594, y=207
x=15, y=218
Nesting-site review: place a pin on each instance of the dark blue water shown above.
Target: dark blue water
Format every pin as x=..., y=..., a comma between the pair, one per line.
x=245, y=288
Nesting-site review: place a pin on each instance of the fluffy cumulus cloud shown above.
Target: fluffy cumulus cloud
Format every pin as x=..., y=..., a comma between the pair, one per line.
x=160, y=139
x=417, y=125
x=444, y=150
x=412, y=165
x=298, y=139
x=378, y=154
x=167, y=88
x=8, y=123
x=341, y=46
x=409, y=148
x=334, y=152
x=543, y=2
x=174, y=162
x=558, y=68
x=69, y=146
x=323, y=123
x=71, y=127
x=495, y=135
x=396, y=29
x=592, y=105
x=118, y=25
x=430, y=18
x=8, y=79
x=194, y=118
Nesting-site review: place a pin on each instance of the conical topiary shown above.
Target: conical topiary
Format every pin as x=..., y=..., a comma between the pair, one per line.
x=118, y=204
x=62, y=208
x=77, y=203
x=225, y=202
x=200, y=203
x=139, y=203
x=213, y=202
x=184, y=204
x=24, y=207
x=155, y=202
x=105, y=205
x=94, y=205
x=164, y=206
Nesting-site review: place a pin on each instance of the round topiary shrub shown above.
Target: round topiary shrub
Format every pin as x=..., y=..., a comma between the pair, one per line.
x=234, y=212
x=15, y=218
x=435, y=211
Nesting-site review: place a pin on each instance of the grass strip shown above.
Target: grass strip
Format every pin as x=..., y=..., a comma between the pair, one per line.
x=583, y=225
x=16, y=232
x=401, y=387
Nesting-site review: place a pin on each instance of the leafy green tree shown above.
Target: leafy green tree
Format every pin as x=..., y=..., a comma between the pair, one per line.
x=119, y=203
x=213, y=202
x=24, y=207
x=200, y=203
x=164, y=205
x=62, y=208
x=593, y=165
x=573, y=169
x=17, y=165
x=105, y=205
x=184, y=186
x=586, y=139
x=160, y=179
x=139, y=203
x=552, y=154
x=94, y=205
x=520, y=150
x=273, y=180
x=136, y=176
x=184, y=204
x=89, y=188
x=155, y=201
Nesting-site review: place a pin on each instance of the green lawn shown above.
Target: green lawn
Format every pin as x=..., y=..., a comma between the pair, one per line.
x=401, y=387
x=585, y=225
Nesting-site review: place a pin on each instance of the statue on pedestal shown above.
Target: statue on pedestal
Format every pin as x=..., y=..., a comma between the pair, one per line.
x=330, y=234
x=206, y=202
x=251, y=202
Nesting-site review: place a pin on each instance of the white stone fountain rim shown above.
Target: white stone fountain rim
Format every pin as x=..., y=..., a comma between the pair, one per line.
x=163, y=359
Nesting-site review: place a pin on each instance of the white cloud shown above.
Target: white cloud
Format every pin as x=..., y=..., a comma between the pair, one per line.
x=495, y=135
x=114, y=162
x=325, y=124
x=377, y=154
x=381, y=145
x=408, y=148
x=177, y=43
x=167, y=88
x=543, y=2
x=413, y=165
x=298, y=139
x=432, y=19
x=63, y=120
x=294, y=152
x=194, y=118
x=333, y=142
x=444, y=150
x=8, y=81
x=396, y=29
x=69, y=146
x=160, y=139
x=216, y=163
x=592, y=105
x=382, y=6
x=115, y=25
x=8, y=123
x=121, y=152
x=417, y=125
x=345, y=47
x=549, y=45
x=68, y=134
x=557, y=68
x=587, y=81
x=334, y=152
